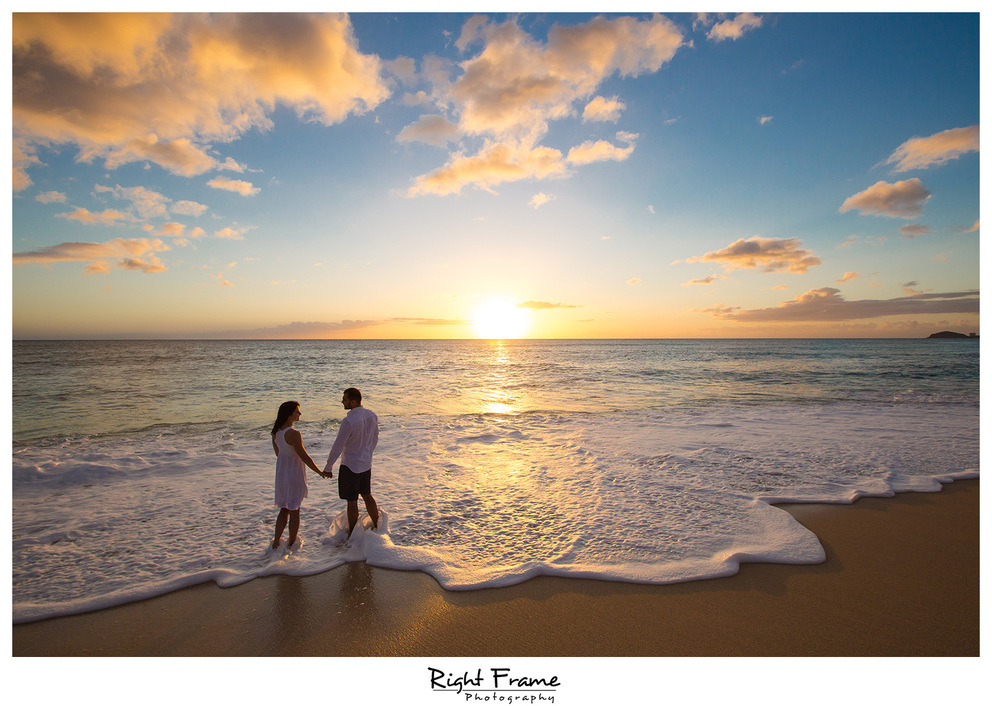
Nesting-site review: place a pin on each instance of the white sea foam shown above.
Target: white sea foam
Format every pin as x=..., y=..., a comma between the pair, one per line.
x=475, y=500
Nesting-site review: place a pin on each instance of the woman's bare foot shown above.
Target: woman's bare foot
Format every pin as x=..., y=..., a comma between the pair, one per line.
x=275, y=543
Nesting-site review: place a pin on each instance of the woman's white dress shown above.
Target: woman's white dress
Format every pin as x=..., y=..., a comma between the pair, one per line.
x=291, y=474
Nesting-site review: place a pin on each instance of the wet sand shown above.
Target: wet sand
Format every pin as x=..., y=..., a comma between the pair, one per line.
x=901, y=578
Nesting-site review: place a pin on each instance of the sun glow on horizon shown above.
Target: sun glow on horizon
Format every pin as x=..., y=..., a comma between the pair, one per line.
x=500, y=319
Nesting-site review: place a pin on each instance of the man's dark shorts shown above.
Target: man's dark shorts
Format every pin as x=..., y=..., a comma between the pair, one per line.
x=351, y=485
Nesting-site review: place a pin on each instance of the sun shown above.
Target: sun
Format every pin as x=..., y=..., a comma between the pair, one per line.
x=499, y=319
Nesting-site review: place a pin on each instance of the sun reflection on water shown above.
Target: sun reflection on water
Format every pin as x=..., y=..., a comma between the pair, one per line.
x=497, y=398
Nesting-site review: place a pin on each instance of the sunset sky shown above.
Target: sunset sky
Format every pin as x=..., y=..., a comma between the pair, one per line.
x=399, y=175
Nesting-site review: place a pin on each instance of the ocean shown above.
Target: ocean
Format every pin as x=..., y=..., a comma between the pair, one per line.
x=140, y=467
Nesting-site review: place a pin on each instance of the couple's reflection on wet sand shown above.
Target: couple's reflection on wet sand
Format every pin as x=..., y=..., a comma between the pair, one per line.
x=303, y=613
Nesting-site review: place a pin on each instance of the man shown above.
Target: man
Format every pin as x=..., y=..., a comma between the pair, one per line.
x=357, y=438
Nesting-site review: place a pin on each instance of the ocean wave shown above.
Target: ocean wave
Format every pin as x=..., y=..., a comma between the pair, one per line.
x=474, y=500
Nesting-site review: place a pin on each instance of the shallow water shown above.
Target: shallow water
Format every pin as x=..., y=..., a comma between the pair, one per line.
x=141, y=467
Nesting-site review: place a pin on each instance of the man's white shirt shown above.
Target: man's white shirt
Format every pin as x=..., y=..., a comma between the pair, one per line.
x=356, y=440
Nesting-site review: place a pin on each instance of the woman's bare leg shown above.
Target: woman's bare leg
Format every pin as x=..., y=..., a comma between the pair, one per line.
x=294, y=526
x=280, y=526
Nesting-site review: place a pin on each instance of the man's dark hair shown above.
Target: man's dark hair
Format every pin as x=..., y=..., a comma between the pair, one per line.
x=353, y=393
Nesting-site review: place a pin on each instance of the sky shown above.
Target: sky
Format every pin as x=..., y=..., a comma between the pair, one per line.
x=442, y=175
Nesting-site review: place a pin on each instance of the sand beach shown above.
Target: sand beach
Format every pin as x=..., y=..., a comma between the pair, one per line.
x=901, y=579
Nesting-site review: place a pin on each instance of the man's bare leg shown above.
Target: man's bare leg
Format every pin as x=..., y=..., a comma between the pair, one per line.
x=372, y=509
x=352, y=515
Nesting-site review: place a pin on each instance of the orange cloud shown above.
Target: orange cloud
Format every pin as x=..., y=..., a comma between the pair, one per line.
x=109, y=216
x=179, y=156
x=152, y=264
x=536, y=305
x=904, y=199
x=923, y=152
x=493, y=165
x=704, y=281
x=231, y=233
x=847, y=277
x=773, y=255
x=599, y=151
x=238, y=186
x=161, y=87
x=120, y=252
x=515, y=86
x=826, y=304
x=172, y=229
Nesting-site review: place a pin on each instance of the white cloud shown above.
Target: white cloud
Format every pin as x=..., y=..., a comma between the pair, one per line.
x=148, y=203
x=433, y=129
x=231, y=165
x=402, y=67
x=598, y=151
x=188, y=208
x=471, y=31
x=600, y=109
x=51, y=197
x=734, y=28
x=539, y=199
x=915, y=230
x=416, y=99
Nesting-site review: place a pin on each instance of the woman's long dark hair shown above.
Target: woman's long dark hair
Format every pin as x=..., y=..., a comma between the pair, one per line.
x=285, y=410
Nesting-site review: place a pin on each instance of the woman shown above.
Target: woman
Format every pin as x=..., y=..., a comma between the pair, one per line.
x=291, y=476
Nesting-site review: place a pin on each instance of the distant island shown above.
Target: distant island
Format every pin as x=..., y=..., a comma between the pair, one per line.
x=952, y=334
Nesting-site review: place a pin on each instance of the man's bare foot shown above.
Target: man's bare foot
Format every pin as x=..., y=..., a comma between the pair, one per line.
x=275, y=543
